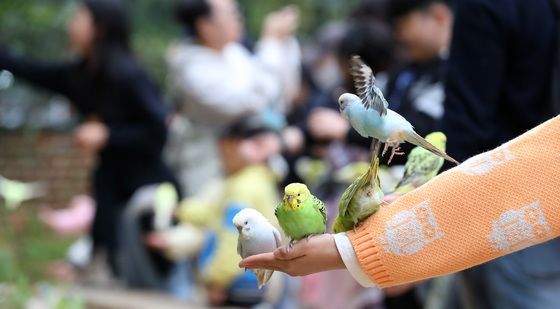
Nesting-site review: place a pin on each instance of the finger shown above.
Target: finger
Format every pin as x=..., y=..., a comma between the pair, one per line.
x=258, y=261
x=391, y=198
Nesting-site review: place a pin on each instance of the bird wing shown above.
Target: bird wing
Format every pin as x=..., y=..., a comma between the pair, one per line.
x=364, y=81
x=370, y=175
x=240, y=247
x=413, y=138
x=276, y=209
x=419, y=166
x=320, y=206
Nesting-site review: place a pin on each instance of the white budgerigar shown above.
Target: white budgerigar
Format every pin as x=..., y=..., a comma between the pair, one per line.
x=15, y=192
x=370, y=116
x=256, y=235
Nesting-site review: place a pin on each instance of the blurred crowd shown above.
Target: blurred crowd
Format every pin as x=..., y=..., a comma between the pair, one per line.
x=250, y=115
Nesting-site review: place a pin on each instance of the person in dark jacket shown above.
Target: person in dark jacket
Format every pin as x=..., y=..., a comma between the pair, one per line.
x=497, y=87
x=124, y=118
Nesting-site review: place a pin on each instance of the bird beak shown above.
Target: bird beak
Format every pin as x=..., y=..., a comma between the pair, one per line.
x=290, y=198
x=238, y=228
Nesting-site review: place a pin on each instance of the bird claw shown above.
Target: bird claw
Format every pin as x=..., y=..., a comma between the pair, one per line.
x=290, y=246
x=385, y=148
x=394, y=151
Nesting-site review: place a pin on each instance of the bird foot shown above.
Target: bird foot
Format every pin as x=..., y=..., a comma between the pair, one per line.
x=394, y=151
x=290, y=246
x=385, y=148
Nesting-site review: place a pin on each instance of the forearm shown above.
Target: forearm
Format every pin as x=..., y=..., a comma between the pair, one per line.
x=50, y=76
x=283, y=58
x=491, y=205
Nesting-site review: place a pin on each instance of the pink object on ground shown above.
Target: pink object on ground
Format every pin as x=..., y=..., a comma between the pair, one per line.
x=73, y=220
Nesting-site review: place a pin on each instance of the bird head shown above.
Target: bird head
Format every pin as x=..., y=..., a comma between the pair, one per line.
x=246, y=219
x=295, y=194
x=345, y=100
x=437, y=139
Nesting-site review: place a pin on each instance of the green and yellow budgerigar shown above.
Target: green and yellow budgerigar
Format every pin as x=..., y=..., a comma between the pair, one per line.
x=421, y=164
x=361, y=199
x=301, y=214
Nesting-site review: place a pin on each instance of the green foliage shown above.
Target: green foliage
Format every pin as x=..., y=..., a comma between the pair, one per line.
x=313, y=13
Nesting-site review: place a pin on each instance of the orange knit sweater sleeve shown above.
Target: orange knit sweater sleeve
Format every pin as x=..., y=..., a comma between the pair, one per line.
x=492, y=204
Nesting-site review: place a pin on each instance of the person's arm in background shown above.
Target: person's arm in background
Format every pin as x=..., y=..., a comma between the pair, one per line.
x=53, y=76
x=491, y=205
x=475, y=74
x=279, y=51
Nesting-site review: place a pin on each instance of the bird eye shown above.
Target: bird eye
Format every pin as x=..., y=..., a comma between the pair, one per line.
x=298, y=194
x=246, y=222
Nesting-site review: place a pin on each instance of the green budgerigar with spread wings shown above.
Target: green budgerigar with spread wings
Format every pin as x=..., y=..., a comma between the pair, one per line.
x=361, y=199
x=301, y=214
x=422, y=165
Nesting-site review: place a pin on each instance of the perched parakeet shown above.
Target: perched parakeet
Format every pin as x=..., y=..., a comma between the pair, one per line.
x=361, y=199
x=301, y=214
x=165, y=201
x=14, y=192
x=421, y=164
x=370, y=116
x=256, y=235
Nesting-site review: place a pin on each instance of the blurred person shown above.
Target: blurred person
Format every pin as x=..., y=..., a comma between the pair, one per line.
x=217, y=81
x=249, y=183
x=371, y=40
x=498, y=81
x=370, y=9
x=416, y=89
x=124, y=118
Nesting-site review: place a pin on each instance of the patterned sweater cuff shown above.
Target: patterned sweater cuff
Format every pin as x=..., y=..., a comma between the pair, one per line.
x=350, y=260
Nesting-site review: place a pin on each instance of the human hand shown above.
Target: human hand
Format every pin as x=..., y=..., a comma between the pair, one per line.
x=156, y=241
x=260, y=147
x=390, y=198
x=327, y=124
x=281, y=24
x=91, y=136
x=293, y=139
x=307, y=256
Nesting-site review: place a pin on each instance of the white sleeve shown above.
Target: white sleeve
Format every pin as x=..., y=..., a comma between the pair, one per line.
x=283, y=58
x=212, y=89
x=350, y=260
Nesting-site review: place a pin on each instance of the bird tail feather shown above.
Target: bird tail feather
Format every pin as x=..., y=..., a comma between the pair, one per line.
x=414, y=138
x=263, y=276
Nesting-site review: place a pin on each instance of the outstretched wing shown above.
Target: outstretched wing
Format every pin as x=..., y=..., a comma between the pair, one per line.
x=364, y=81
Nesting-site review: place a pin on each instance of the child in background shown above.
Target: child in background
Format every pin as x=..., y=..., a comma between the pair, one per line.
x=249, y=182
